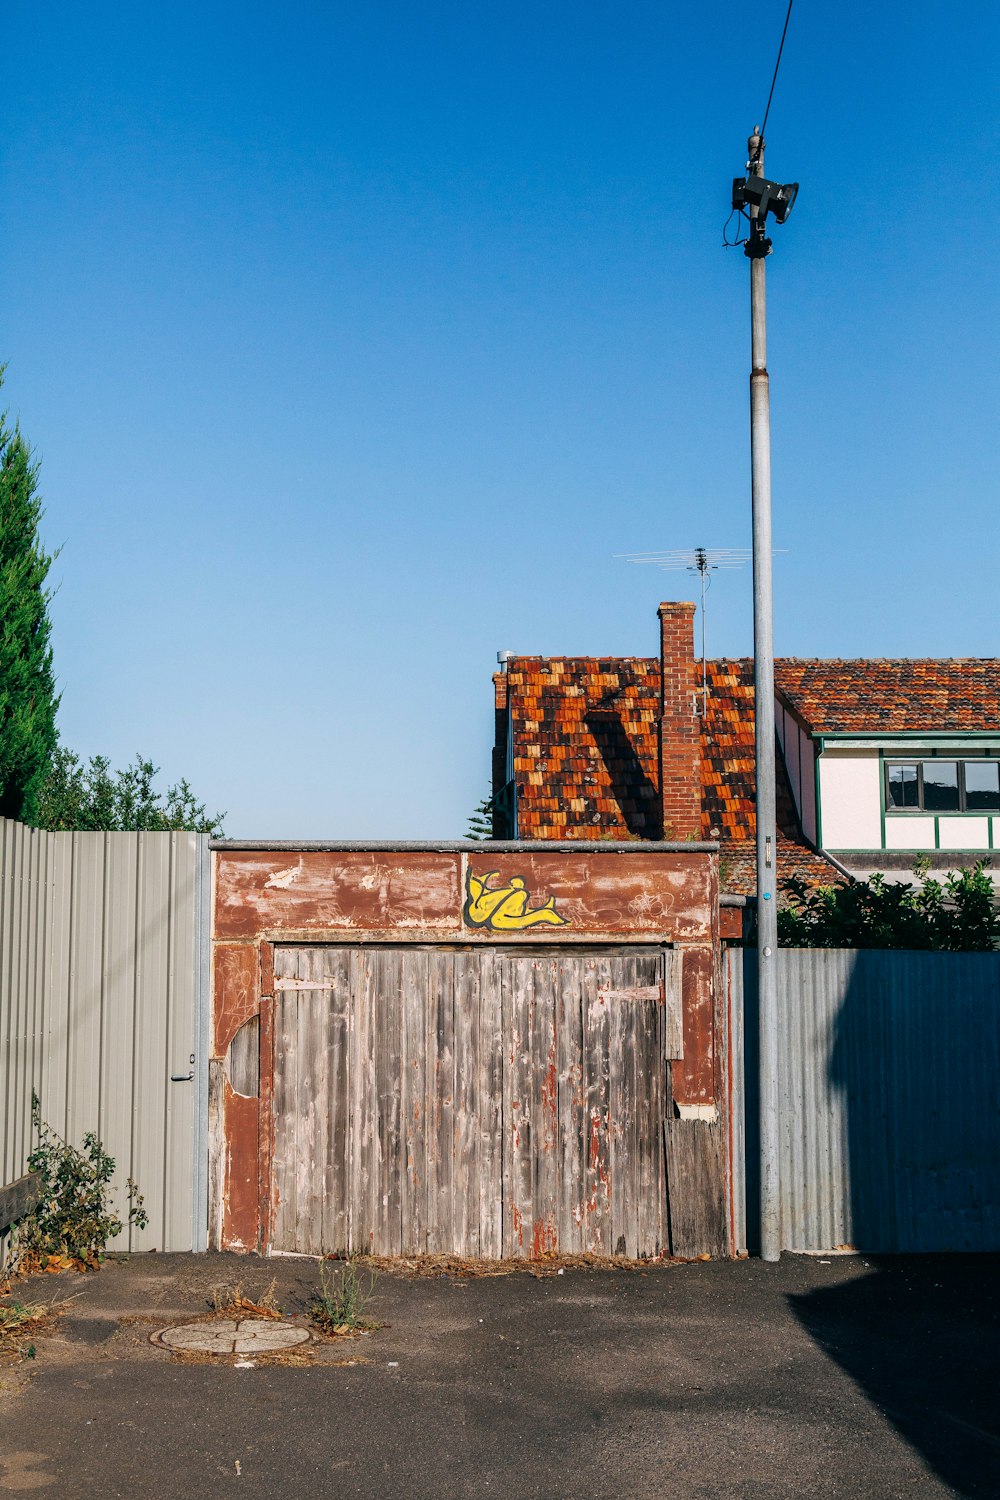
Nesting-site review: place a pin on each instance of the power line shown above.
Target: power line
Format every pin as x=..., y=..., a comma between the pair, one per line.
x=740, y=239
x=781, y=48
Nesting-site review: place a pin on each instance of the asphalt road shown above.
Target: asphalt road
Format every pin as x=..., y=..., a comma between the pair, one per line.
x=699, y=1382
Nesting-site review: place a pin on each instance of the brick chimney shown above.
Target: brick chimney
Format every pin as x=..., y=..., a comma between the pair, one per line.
x=680, y=726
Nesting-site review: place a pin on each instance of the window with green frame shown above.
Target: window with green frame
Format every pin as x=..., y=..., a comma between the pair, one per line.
x=942, y=786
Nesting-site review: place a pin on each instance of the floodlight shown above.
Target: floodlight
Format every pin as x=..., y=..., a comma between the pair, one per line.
x=765, y=196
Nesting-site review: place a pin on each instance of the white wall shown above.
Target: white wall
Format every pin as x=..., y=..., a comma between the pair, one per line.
x=911, y=832
x=851, y=808
x=966, y=833
x=851, y=800
x=807, y=810
x=799, y=751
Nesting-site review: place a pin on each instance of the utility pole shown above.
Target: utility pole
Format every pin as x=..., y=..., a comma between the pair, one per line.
x=757, y=248
x=757, y=197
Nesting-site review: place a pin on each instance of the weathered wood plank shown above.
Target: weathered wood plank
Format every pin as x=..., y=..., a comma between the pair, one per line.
x=356, y=1077
x=430, y=1108
x=315, y=1009
x=673, y=980
x=697, y=1199
x=646, y=1064
x=529, y=1139
x=366, y=1125
x=491, y=1131
x=332, y=1152
x=19, y=1198
x=243, y=1059
x=545, y=1108
x=465, y=1171
x=570, y=1104
x=413, y=1100
x=597, y=1171
x=444, y=1102
x=388, y=998
x=336, y=1226
x=516, y=998
x=640, y=1083
x=638, y=1067
x=620, y=1016
x=285, y=1123
x=303, y=1157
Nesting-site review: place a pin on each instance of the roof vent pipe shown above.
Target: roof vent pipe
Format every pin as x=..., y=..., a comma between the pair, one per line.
x=503, y=657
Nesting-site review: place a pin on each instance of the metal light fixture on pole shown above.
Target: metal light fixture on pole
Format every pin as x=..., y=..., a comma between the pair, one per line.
x=757, y=196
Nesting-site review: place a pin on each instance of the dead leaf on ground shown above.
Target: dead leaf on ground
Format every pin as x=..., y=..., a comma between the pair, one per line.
x=461, y=1268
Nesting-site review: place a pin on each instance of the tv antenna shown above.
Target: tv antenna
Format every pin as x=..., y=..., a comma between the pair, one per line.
x=701, y=560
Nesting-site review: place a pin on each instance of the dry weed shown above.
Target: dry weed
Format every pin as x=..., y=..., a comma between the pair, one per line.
x=21, y=1323
x=233, y=1301
x=286, y=1357
x=461, y=1267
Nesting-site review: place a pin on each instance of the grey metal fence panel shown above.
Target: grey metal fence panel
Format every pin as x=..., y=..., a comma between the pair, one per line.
x=890, y=1098
x=813, y=1161
x=103, y=1004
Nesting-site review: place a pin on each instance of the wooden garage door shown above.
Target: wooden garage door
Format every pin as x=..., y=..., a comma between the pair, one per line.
x=476, y=1101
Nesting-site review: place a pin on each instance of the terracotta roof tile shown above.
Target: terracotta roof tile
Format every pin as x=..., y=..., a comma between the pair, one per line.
x=880, y=696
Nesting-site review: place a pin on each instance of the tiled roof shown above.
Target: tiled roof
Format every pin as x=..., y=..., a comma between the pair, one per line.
x=738, y=863
x=873, y=696
x=727, y=753
x=585, y=746
x=586, y=759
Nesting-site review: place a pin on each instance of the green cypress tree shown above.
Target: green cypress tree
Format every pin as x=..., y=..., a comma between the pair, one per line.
x=481, y=821
x=28, y=700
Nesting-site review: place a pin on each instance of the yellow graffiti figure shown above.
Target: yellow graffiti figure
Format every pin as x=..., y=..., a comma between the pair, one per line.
x=504, y=908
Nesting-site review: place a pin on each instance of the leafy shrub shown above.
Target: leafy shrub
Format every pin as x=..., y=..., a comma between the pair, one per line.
x=339, y=1305
x=75, y=1217
x=958, y=914
x=91, y=796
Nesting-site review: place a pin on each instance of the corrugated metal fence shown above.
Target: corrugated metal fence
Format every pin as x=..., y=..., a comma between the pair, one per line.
x=103, y=1002
x=889, y=1073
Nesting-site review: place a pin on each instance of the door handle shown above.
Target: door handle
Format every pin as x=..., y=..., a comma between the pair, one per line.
x=181, y=1077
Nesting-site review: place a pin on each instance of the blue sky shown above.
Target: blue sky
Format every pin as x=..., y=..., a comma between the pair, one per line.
x=356, y=341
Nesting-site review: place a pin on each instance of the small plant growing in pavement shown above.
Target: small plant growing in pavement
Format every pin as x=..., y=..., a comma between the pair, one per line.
x=75, y=1217
x=339, y=1305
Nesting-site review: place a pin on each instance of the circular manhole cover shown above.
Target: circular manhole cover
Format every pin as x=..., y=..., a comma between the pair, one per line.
x=232, y=1336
